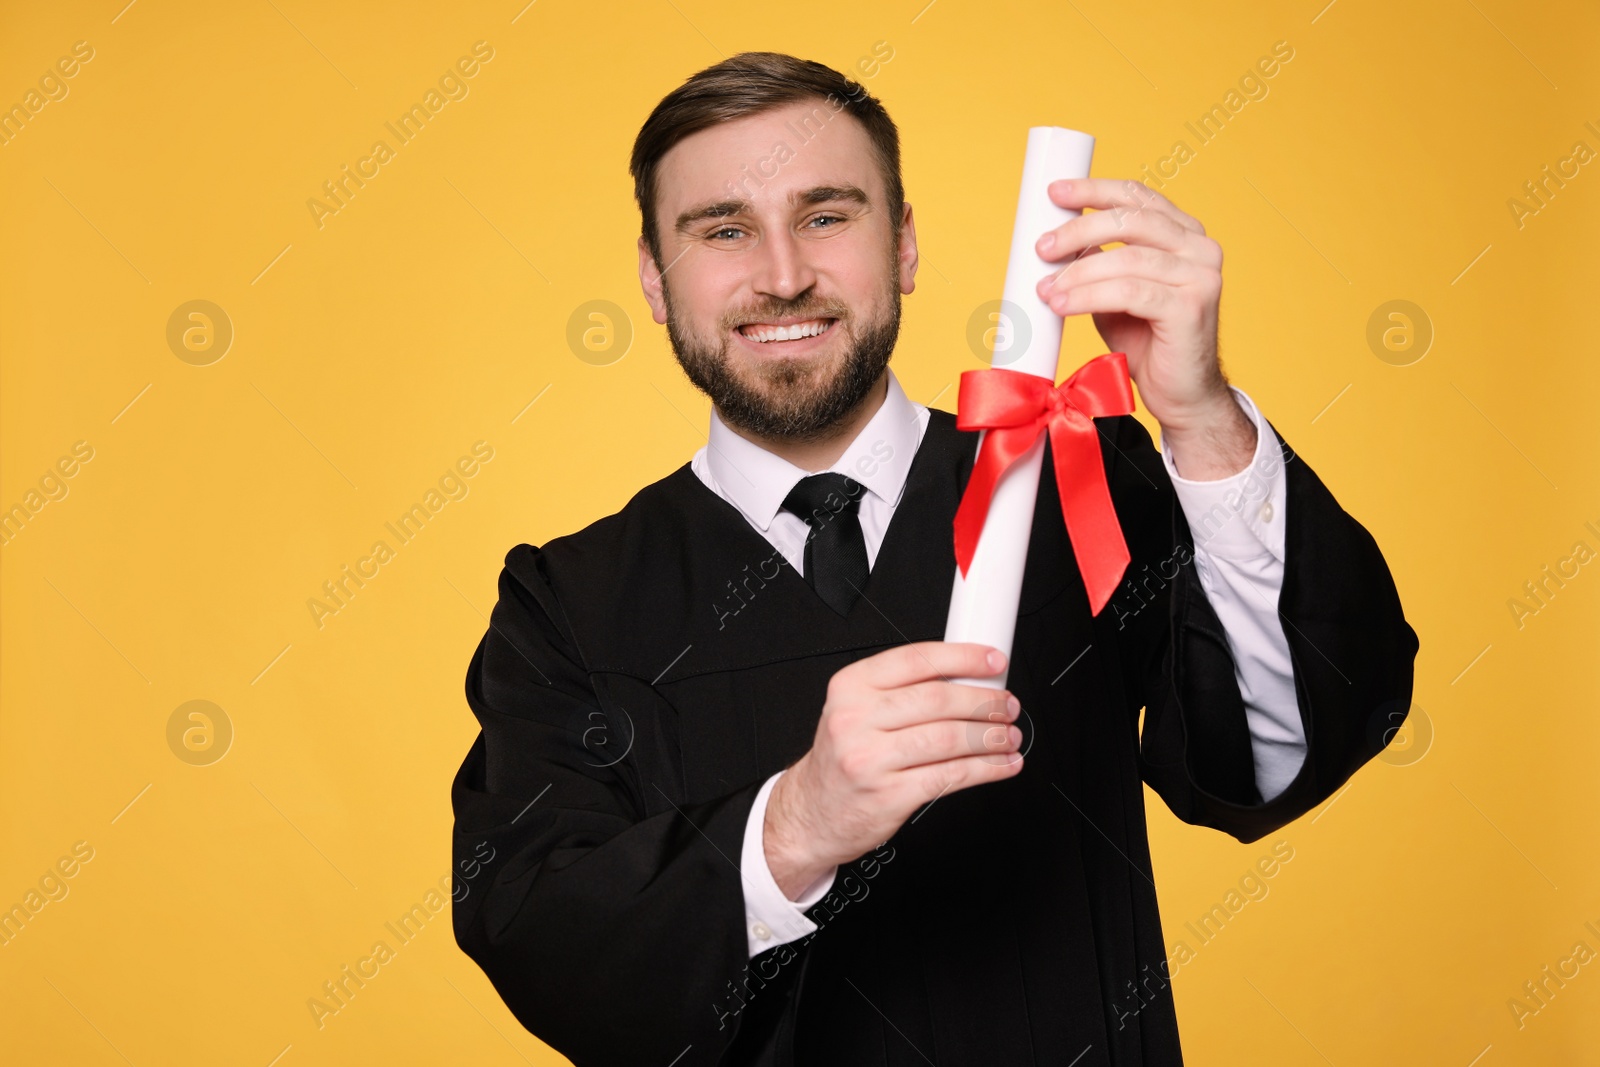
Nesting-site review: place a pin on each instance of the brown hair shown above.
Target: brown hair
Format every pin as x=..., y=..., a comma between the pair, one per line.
x=748, y=84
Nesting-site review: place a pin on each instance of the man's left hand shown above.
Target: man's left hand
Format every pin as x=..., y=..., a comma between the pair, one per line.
x=1156, y=299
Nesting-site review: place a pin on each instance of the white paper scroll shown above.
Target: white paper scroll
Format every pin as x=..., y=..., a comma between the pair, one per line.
x=983, y=605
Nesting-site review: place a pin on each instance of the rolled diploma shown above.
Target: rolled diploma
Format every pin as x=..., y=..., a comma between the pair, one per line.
x=983, y=604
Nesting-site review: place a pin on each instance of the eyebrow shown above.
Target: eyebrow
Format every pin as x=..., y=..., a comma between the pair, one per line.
x=821, y=194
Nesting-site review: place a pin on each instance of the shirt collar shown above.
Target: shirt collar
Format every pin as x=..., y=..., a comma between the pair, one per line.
x=756, y=481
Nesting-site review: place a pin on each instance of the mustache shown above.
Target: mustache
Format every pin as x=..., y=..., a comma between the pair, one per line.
x=771, y=312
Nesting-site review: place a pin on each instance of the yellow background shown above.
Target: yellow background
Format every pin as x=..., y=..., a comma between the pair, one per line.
x=372, y=352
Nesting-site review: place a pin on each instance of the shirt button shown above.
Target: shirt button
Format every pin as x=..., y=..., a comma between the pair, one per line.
x=762, y=932
x=1266, y=511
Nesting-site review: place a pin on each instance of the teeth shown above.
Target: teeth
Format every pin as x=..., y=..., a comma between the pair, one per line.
x=785, y=333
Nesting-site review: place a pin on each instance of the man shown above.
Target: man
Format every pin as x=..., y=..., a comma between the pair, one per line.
x=726, y=806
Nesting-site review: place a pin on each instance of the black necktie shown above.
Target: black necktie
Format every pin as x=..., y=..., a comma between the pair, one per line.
x=835, y=559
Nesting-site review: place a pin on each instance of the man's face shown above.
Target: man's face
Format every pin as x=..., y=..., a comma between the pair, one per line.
x=778, y=219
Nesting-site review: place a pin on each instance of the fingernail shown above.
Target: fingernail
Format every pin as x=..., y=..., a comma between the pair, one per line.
x=997, y=659
x=1047, y=244
x=1013, y=705
x=1015, y=735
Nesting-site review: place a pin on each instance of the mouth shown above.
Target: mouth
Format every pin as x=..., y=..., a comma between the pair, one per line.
x=786, y=337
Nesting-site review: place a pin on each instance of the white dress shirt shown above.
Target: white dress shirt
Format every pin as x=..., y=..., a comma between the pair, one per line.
x=1238, y=527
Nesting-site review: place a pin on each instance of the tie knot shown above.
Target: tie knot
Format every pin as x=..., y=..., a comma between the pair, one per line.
x=817, y=498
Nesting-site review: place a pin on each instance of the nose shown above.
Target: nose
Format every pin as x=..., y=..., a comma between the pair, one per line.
x=780, y=266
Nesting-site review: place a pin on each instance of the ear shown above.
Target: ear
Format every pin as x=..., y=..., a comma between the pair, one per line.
x=650, y=281
x=907, y=254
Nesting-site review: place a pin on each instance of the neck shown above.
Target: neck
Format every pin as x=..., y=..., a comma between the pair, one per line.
x=820, y=454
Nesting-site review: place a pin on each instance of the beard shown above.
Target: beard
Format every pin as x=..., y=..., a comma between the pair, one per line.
x=791, y=399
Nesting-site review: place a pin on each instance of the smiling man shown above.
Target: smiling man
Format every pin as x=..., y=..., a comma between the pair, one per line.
x=735, y=810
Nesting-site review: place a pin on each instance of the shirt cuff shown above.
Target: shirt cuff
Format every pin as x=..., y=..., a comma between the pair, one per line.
x=1241, y=516
x=772, y=919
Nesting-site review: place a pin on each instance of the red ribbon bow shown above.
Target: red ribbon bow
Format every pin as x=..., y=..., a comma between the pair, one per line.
x=1014, y=407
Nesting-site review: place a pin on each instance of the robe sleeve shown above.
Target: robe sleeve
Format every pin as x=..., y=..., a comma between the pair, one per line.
x=1351, y=648
x=608, y=916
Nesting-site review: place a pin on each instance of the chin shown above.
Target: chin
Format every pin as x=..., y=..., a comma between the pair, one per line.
x=783, y=378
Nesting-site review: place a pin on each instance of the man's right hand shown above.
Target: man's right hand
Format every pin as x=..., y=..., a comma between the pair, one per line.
x=894, y=735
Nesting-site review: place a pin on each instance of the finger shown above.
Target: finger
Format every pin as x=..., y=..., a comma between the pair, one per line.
x=929, y=782
x=1082, y=253
x=1151, y=301
x=945, y=740
x=1116, y=225
x=1133, y=261
x=920, y=661
x=1106, y=193
x=931, y=701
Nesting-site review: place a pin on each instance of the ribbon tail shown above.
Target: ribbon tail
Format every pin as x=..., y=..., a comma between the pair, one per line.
x=1002, y=446
x=974, y=507
x=1091, y=518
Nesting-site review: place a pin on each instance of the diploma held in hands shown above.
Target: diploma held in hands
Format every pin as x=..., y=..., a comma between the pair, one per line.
x=1016, y=405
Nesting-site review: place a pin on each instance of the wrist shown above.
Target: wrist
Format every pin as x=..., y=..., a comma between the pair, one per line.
x=785, y=839
x=1212, y=405
x=1212, y=441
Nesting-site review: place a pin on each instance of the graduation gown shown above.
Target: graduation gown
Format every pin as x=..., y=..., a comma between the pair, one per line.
x=642, y=677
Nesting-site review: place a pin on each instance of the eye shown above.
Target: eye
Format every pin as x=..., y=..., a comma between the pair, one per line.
x=826, y=218
x=725, y=229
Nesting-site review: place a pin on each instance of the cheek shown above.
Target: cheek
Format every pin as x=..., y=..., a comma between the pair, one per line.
x=868, y=289
x=865, y=274
x=710, y=296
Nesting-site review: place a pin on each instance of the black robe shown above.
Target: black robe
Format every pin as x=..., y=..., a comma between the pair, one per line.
x=642, y=677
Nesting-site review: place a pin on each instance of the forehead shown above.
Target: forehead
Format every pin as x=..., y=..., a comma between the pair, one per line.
x=764, y=157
